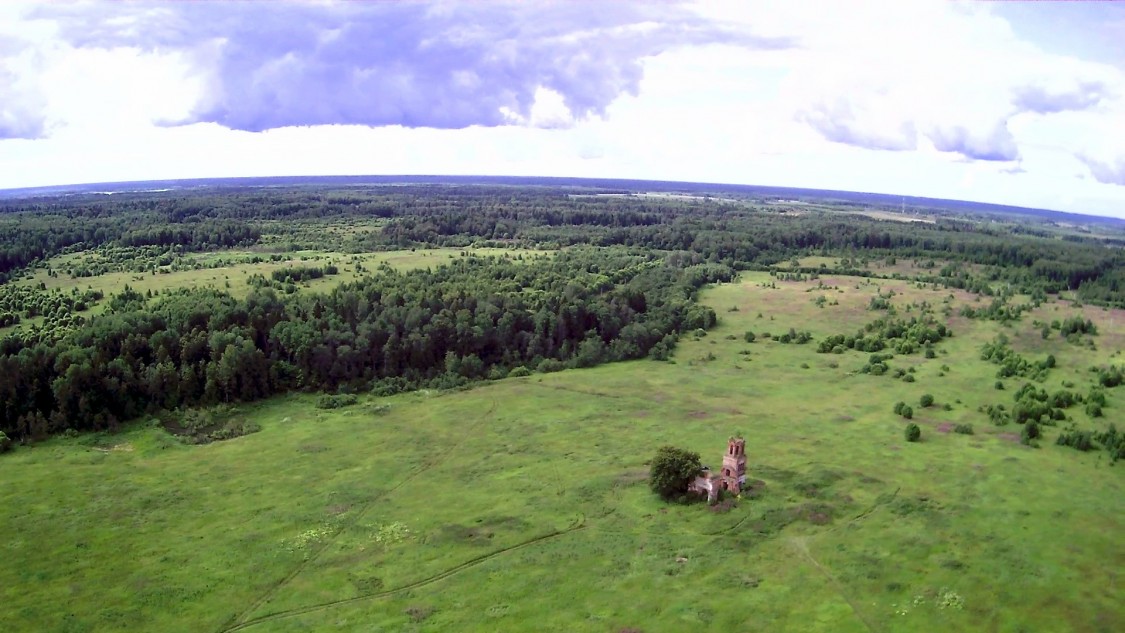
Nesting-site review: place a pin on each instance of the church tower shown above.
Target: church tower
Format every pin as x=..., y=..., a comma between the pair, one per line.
x=734, y=466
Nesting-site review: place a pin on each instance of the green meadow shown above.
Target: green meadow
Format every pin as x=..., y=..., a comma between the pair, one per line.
x=230, y=270
x=522, y=504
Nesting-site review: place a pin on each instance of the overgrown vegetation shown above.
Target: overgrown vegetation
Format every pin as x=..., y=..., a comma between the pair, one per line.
x=671, y=470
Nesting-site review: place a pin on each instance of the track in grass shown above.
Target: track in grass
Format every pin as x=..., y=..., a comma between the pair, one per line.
x=800, y=544
x=580, y=524
x=240, y=618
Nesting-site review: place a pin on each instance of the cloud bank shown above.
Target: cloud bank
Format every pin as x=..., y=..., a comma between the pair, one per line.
x=271, y=65
x=1108, y=172
x=21, y=102
x=930, y=98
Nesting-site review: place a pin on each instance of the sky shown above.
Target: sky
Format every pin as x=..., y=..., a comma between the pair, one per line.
x=1019, y=103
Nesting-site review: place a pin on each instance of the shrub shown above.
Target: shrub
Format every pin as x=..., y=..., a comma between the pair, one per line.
x=5, y=443
x=963, y=429
x=913, y=433
x=335, y=402
x=899, y=406
x=672, y=470
x=749, y=337
x=1080, y=440
x=908, y=378
x=908, y=413
x=1030, y=432
x=519, y=372
x=926, y=400
x=550, y=365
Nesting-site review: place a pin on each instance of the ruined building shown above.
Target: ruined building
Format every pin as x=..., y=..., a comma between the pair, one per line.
x=732, y=476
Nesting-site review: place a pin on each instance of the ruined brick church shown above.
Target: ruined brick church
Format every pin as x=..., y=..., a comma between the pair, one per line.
x=731, y=477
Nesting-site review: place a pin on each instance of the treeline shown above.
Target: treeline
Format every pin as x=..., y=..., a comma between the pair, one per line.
x=27, y=237
x=202, y=236
x=736, y=233
x=471, y=319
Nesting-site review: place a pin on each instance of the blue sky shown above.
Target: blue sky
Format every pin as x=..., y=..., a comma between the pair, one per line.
x=1013, y=103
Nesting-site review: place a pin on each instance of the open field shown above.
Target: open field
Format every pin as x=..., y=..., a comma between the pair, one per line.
x=522, y=504
x=235, y=268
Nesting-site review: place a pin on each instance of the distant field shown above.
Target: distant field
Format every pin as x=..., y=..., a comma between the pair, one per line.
x=903, y=266
x=522, y=504
x=233, y=275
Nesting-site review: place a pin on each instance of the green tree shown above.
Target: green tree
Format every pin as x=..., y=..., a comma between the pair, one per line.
x=672, y=470
x=926, y=400
x=913, y=433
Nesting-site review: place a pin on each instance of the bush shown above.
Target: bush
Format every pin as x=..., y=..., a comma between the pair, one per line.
x=1030, y=432
x=908, y=378
x=749, y=336
x=672, y=470
x=335, y=402
x=927, y=400
x=913, y=433
x=899, y=406
x=908, y=413
x=5, y=443
x=519, y=372
x=550, y=365
x=1079, y=440
x=963, y=429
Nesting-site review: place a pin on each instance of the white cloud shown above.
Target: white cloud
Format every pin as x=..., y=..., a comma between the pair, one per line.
x=922, y=98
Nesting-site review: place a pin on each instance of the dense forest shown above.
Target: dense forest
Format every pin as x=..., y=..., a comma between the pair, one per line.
x=623, y=287
x=472, y=319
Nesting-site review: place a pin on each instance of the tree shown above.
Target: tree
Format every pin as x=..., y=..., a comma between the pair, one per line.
x=926, y=400
x=908, y=412
x=672, y=470
x=5, y=443
x=913, y=433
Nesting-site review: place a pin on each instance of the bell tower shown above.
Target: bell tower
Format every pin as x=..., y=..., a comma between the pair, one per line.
x=734, y=466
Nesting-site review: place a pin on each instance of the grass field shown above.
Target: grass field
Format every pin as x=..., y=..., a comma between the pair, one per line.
x=522, y=504
x=233, y=275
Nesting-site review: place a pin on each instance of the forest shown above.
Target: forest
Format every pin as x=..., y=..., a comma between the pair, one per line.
x=623, y=285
